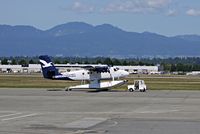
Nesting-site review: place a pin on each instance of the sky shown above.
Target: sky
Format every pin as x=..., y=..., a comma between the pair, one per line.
x=166, y=17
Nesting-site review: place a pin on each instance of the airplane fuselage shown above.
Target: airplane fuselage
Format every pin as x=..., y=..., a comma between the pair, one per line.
x=86, y=75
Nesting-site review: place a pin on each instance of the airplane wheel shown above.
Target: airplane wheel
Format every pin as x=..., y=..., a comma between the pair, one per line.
x=130, y=90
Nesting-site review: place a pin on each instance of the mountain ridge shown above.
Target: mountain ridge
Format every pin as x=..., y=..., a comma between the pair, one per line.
x=82, y=39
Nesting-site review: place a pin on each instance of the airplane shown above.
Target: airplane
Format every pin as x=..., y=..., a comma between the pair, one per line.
x=92, y=73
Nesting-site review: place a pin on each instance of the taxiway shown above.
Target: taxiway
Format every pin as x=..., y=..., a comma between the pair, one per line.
x=38, y=111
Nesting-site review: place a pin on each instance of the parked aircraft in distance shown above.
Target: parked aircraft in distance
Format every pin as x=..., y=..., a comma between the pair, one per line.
x=93, y=73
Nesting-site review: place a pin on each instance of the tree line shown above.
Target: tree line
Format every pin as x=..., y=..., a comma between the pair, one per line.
x=178, y=64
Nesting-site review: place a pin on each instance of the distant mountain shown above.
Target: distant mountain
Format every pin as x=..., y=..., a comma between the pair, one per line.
x=189, y=37
x=70, y=28
x=81, y=39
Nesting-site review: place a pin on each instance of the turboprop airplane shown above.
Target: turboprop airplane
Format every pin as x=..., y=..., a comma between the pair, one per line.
x=93, y=73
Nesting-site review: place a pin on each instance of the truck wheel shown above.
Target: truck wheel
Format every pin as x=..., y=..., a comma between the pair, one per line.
x=144, y=90
x=130, y=90
x=68, y=89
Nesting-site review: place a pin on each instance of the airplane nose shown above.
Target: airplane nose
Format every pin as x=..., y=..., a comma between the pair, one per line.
x=127, y=73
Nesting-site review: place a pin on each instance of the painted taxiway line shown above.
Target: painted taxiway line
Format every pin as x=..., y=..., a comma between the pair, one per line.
x=7, y=115
x=19, y=117
x=113, y=112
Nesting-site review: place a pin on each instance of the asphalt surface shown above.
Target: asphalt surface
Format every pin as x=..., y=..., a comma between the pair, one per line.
x=38, y=111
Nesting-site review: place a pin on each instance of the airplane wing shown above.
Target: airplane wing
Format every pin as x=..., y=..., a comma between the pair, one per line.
x=98, y=69
x=91, y=68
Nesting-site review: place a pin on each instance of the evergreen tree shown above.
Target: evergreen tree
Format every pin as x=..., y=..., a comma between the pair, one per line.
x=31, y=62
x=116, y=62
x=23, y=62
x=4, y=61
x=14, y=62
x=108, y=61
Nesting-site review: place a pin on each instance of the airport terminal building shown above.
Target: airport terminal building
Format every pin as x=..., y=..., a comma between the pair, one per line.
x=36, y=68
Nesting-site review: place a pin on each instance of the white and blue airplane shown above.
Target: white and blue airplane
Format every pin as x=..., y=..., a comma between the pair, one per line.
x=92, y=73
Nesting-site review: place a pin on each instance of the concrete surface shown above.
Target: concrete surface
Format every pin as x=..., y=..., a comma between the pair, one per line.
x=38, y=111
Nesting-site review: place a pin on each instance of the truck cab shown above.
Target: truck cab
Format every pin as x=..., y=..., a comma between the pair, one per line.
x=139, y=85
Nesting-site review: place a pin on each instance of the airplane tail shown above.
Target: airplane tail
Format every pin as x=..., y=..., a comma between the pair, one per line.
x=48, y=69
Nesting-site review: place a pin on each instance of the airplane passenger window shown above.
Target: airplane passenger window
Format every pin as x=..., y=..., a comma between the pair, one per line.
x=89, y=72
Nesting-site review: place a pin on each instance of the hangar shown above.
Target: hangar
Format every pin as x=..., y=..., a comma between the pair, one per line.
x=140, y=69
x=36, y=68
x=20, y=68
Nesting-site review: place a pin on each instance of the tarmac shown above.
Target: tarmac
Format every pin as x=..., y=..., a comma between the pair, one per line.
x=38, y=111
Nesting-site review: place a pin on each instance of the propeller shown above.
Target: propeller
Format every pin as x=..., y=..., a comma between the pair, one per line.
x=110, y=73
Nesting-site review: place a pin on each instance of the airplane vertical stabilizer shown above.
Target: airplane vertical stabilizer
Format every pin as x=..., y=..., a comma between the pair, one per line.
x=48, y=69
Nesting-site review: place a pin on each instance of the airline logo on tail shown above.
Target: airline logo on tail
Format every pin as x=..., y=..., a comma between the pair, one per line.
x=45, y=64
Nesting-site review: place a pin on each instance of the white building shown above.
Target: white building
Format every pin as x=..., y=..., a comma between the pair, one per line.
x=35, y=68
x=140, y=69
x=20, y=69
x=193, y=73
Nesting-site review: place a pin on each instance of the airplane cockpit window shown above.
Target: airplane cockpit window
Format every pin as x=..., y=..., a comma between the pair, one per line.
x=116, y=69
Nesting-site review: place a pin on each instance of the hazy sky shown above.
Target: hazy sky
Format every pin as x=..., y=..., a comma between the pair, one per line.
x=167, y=17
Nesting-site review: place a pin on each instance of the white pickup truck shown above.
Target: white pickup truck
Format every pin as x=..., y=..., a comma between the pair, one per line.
x=138, y=85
